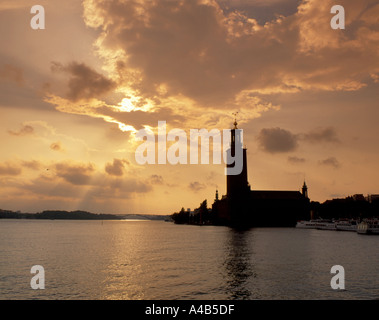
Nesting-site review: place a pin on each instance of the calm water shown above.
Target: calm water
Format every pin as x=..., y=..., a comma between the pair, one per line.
x=160, y=260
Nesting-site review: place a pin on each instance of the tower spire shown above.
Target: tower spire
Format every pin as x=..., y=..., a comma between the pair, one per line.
x=235, y=119
x=305, y=190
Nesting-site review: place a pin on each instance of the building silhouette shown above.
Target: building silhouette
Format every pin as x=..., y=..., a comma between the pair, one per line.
x=244, y=207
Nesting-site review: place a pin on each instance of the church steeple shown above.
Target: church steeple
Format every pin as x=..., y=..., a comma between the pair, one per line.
x=305, y=190
x=235, y=120
x=237, y=185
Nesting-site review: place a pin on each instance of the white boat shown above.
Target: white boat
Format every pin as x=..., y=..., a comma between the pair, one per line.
x=368, y=226
x=306, y=224
x=346, y=225
x=322, y=224
x=326, y=225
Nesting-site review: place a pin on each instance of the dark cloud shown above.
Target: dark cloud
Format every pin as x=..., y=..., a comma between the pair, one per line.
x=12, y=97
x=116, y=168
x=156, y=179
x=196, y=186
x=33, y=164
x=56, y=146
x=331, y=161
x=7, y=169
x=98, y=187
x=129, y=185
x=183, y=47
x=49, y=186
x=262, y=10
x=67, y=180
x=76, y=174
x=11, y=73
x=25, y=130
x=197, y=50
x=296, y=160
x=17, y=88
x=322, y=135
x=276, y=140
x=84, y=83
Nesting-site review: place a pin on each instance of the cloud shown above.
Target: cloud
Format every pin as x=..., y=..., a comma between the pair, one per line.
x=181, y=48
x=140, y=118
x=177, y=113
x=23, y=131
x=116, y=168
x=191, y=57
x=321, y=135
x=84, y=83
x=49, y=187
x=21, y=4
x=196, y=186
x=11, y=73
x=80, y=182
x=194, y=49
x=56, y=146
x=117, y=189
x=331, y=161
x=296, y=160
x=15, y=169
x=262, y=10
x=277, y=140
x=156, y=179
x=33, y=164
x=76, y=173
x=7, y=169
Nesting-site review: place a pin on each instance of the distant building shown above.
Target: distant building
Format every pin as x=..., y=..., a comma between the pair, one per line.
x=244, y=207
x=359, y=197
x=373, y=198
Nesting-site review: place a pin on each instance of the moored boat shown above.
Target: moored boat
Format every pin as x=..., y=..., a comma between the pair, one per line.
x=368, y=226
x=346, y=225
x=322, y=224
x=306, y=224
x=326, y=225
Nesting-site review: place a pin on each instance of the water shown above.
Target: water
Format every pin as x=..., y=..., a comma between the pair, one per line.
x=160, y=260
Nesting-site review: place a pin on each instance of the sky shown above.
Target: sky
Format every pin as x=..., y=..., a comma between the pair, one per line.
x=74, y=95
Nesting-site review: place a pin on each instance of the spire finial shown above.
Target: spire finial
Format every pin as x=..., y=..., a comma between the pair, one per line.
x=235, y=119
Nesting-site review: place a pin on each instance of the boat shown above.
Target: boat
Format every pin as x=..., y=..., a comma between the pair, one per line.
x=346, y=225
x=368, y=226
x=302, y=224
x=322, y=224
x=326, y=225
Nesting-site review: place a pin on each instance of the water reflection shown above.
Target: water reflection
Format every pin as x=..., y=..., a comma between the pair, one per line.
x=123, y=273
x=238, y=267
x=158, y=260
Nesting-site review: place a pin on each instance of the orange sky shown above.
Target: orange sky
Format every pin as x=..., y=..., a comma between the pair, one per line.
x=73, y=95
